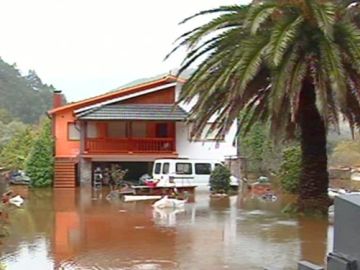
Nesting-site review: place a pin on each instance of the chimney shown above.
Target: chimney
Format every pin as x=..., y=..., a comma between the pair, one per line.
x=57, y=99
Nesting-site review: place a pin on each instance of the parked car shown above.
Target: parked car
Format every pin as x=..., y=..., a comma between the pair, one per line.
x=186, y=172
x=19, y=178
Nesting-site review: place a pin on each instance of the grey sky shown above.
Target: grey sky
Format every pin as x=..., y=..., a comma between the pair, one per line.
x=87, y=47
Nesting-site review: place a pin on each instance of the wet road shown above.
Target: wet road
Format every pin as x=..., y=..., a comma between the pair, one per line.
x=82, y=230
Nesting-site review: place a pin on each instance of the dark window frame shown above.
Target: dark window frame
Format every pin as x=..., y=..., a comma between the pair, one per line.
x=208, y=165
x=167, y=166
x=157, y=169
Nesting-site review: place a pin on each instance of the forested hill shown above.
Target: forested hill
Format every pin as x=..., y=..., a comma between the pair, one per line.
x=22, y=97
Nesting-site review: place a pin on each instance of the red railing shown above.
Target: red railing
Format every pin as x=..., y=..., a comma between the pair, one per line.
x=125, y=145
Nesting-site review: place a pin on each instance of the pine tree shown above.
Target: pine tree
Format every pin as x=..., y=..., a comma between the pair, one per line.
x=40, y=163
x=33, y=80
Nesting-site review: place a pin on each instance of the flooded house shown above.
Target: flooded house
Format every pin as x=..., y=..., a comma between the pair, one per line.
x=130, y=127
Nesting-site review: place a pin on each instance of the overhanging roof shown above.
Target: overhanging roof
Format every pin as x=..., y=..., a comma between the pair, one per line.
x=135, y=112
x=128, y=90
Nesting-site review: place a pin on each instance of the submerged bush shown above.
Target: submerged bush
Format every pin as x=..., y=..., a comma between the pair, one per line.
x=290, y=169
x=220, y=180
x=40, y=163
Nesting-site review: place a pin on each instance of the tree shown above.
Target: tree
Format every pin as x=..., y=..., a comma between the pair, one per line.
x=15, y=152
x=7, y=132
x=294, y=63
x=40, y=163
x=18, y=91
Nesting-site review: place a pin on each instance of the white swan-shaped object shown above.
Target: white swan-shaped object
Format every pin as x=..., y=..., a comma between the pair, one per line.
x=167, y=202
x=17, y=200
x=166, y=216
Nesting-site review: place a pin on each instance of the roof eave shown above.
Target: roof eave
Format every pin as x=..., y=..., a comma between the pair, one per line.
x=88, y=101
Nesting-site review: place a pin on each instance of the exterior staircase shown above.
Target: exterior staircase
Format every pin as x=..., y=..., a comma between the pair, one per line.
x=64, y=175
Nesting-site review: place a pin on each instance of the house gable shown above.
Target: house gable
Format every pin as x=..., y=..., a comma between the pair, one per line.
x=123, y=92
x=158, y=97
x=166, y=96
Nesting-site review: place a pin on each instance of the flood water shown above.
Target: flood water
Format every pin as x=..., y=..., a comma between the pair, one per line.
x=81, y=229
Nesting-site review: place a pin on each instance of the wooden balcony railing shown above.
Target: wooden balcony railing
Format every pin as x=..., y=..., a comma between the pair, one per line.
x=126, y=145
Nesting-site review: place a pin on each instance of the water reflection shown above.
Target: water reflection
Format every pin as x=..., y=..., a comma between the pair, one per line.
x=166, y=217
x=77, y=229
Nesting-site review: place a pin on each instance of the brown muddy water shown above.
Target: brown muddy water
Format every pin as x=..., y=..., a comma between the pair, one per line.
x=80, y=229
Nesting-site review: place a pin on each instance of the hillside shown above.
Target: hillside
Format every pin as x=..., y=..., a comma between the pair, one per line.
x=25, y=98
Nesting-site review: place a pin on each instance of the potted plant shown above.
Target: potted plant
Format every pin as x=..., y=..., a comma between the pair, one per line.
x=220, y=181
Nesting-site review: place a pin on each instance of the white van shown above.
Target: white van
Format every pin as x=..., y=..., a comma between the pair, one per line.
x=186, y=172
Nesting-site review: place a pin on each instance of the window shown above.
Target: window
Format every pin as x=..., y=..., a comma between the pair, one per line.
x=117, y=129
x=91, y=131
x=183, y=168
x=203, y=168
x=165, y=169
x=157, y=168
x=139, y=129
x=73, y=132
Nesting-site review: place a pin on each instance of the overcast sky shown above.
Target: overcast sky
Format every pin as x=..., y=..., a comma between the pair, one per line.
x=87, y=47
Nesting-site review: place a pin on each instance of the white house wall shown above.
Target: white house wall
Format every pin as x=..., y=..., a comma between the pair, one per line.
x=204, y=149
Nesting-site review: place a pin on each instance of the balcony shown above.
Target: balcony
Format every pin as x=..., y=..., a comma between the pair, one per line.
x=129, y=145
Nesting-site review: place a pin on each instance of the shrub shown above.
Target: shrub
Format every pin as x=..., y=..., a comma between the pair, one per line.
x=15, y=152
x=40, y=162
x=220, y=180
x=290, y=169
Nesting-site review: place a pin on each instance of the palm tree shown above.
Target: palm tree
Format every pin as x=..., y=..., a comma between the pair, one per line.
x=294, y=63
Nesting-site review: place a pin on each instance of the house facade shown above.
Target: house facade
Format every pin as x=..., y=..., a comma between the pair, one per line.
x=130, y=127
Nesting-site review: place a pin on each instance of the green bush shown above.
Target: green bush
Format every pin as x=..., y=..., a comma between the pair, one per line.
x=220, y=180
x=290, y=169
x=40, y=162
x=14, y=154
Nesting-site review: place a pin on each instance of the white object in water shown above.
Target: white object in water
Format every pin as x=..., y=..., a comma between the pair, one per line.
x=355, y=176
x=166, y=216
x=17, y=200
x=166, y=202
x=131, y=198
x=336, y=192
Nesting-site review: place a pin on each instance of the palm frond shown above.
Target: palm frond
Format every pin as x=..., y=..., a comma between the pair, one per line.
x=233, y=8
x=347, y=35
x=331, y=62
x=324, y=14
x=281, y=77
x=321, y=85
x=282, y=37
x=233, y=16
x=294, y=85
x=257, y=15
x=253, y=53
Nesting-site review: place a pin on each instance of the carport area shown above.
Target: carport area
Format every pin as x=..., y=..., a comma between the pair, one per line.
x=134, y=169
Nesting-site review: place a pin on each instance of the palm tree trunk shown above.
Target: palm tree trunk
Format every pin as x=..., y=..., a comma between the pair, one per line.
x=314, y=178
